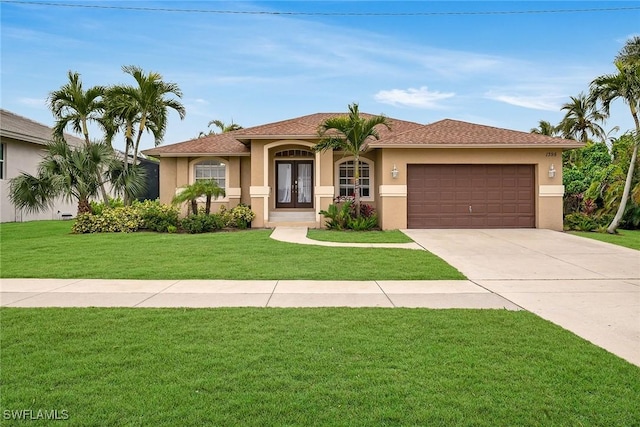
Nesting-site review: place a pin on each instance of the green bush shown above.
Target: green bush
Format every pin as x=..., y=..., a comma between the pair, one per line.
x=342, y=216
x=237, y=217
x=156, y=216
x=202, y=223
x=98, y=207
x=121, y=219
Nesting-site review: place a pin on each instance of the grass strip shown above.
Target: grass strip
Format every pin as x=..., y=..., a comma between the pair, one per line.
x=330, y=367
x=46, y=249
x=390, y=236
x=627, y=238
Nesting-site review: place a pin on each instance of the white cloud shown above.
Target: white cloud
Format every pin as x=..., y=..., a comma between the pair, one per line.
x=534, y=102
x=33, y=102
x=421, y=98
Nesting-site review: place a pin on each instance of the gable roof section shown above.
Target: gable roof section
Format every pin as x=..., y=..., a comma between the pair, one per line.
x=455, y=133
x=306, y=127
x=23, y=129
x=224, y=144
x=233, y=143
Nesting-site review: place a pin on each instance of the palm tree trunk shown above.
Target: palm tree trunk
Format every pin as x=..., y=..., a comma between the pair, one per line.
x=627, y=184
x=625, y=193
x=83, y=205
x=85, y=132
x=207, y=208
x=140, y=131
x=356, y=184
x=194, y=206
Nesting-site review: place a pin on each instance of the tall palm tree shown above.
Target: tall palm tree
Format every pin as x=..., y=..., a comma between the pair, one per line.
x=624, y=85
x=208, y=188
x=545, y=128
x=73, y=106
x=581, y=119
x=144, y=108
x=224, y=128
x=71, y=173
x=630, y=53
x=350, y=133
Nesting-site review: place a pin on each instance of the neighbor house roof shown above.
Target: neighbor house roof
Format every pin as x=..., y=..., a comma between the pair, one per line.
x=23, y=129
x=455, y=133
x=233, y=143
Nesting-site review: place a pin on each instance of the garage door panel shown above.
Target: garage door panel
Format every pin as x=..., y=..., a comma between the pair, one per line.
x=500, y=196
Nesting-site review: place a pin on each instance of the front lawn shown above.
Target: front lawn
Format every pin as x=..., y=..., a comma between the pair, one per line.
x=349, y=236
x=46, y=249
x=626, y=238
x=258, y=367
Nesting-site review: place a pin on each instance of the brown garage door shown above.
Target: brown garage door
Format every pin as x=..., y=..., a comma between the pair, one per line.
x=470, y=196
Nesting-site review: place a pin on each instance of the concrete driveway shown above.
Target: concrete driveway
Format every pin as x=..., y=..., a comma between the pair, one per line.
x=588, y=287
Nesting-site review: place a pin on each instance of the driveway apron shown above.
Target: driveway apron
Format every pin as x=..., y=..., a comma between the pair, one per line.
x=586, y=286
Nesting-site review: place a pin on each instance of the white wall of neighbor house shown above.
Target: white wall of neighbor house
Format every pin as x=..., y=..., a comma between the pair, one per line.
x=18, y=157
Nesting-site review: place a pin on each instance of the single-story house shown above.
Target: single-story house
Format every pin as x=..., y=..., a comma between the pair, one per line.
x=22, y=142
x=447, y=174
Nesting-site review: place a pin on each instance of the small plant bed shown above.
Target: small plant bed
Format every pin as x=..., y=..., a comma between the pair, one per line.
x=348, y=236
x=241, y=255
x=329, y=367
x=626, y=238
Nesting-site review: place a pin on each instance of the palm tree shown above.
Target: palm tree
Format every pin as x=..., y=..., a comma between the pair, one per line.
x=208, y=188
x=545, y=128
x=72, y=106
x=71, y=173
x=630, y=53
x=350, y=133
x=581, y=119
x=224, y=128
x=625, y=85
x=144, y=107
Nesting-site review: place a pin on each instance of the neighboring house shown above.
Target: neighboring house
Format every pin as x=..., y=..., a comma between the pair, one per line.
x=21, y=148
x=448, y=174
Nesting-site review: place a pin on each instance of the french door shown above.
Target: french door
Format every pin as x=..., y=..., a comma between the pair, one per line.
x=295, y=183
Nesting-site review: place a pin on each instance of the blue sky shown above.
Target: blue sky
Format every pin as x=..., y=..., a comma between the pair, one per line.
x=505, y=70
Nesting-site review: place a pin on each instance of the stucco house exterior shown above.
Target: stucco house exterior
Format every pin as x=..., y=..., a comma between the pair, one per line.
x=21, y=148
x=447, y=174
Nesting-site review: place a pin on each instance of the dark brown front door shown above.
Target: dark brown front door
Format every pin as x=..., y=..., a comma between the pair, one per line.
x=294, y=181
x=470, y=196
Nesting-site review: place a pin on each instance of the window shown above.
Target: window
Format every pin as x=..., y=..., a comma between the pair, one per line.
x=212, y=169
x=1, y=161
x=346, y=180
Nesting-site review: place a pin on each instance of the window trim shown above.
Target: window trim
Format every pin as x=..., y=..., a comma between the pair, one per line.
x=192, y=174
x=369, y=163
x=3, y=156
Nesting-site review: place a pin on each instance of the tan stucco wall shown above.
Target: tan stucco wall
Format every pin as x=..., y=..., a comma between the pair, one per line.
x=392, y=202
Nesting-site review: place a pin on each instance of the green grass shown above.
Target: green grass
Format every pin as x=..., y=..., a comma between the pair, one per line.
x=259, y=367
x=626, y=238
x=46, y=249
x=391, y=236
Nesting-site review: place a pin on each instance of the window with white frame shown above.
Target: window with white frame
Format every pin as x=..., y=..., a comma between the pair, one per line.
x=211, y=169
x=346, y=179
x=1, y=161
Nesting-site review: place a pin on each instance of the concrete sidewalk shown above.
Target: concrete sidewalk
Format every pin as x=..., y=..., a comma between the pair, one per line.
x=253, y=293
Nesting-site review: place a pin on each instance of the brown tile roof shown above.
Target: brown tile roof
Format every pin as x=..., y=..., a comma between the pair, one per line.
x=221, y=144
x=24, y=129
x=457, y=133
x=305, y=127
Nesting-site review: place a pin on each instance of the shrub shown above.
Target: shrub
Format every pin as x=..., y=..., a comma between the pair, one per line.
x=237, y=217
x=156, y=216
x=98, y=207
x=580, y=222
x=342, y=216
x=121, y=219
x=202, y=223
